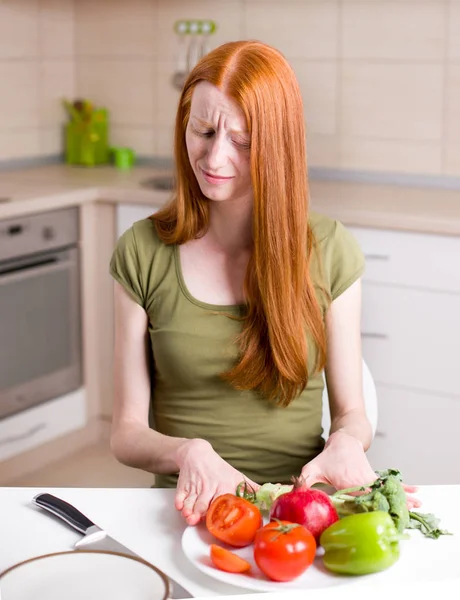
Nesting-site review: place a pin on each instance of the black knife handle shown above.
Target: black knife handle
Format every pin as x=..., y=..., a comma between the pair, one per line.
x=64, y=511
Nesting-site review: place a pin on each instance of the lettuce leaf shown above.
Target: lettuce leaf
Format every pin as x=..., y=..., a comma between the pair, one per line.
x=268, y=493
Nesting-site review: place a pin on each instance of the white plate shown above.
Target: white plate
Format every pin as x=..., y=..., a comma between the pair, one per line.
x=83, y=574
x=196, y=544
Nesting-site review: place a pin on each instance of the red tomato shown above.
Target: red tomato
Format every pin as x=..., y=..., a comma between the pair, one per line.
x=233, y=520
x=228, y=561
x=284, y=550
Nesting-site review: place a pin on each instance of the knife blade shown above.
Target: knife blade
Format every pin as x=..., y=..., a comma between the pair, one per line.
x=94, y=538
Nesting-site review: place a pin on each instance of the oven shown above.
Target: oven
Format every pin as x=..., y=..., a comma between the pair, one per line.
x=40, y=322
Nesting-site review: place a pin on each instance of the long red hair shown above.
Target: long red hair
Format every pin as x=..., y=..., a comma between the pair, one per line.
x=282, y=307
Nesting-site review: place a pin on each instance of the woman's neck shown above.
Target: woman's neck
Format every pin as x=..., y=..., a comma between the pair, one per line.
x=230, y=226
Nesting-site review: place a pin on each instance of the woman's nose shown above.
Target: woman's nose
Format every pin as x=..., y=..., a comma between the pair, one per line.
x=217, y=153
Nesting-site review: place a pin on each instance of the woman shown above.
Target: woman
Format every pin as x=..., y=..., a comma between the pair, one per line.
x=231, y=301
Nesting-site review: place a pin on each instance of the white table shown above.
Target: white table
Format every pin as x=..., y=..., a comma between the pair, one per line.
x=145, y=520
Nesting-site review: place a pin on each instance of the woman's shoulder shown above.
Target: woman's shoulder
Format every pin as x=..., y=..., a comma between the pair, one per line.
x=140, y=239
x=323, y=227
x=145, y=232
x=329, y=232
x=340, y=257
x=133, y=256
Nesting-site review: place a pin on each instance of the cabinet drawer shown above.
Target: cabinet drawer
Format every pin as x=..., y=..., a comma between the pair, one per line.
x=412, y=337
x=35, y=426
x=417, y=434
x=410, y=259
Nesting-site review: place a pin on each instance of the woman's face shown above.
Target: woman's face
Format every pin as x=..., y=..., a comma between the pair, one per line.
x=218, y=145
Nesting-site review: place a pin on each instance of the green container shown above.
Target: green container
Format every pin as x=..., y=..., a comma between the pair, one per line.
x=87, y=142
x=123, y=158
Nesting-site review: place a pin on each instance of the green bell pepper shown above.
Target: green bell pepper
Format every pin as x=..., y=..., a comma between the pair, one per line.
x=362, y=543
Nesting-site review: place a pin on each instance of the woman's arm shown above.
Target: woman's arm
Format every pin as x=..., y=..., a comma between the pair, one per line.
x=202, y=473
x=344, y=368
x=132, y=441
x=343, y=462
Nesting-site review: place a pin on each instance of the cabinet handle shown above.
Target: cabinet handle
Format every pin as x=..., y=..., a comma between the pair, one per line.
x=380, y=434
x=16, y=438
x=373, y=335
x=377, y=257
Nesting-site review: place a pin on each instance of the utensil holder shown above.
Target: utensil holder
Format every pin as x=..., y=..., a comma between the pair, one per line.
x=87, y=143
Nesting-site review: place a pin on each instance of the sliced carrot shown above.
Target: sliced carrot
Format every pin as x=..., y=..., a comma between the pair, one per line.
x=225, y=560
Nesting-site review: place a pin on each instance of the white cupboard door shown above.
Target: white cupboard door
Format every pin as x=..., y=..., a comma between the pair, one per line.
x=417, y=434
x=412, y=338
x=127, y=214
x=410, y=259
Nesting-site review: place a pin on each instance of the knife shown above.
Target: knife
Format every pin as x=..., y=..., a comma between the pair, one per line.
x=94, y=538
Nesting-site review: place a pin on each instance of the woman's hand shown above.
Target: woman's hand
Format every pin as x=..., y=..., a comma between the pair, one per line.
x=203, y=476
x=343, y=464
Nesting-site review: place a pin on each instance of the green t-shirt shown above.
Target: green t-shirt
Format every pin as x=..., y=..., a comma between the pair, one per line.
x=191, y=345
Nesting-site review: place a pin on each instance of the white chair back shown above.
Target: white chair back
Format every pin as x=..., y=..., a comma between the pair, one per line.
x=370, y=401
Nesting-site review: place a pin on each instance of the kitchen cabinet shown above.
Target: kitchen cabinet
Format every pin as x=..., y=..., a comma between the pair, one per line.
x=411, y=342
x=411, y=337
x=410, y=259
x=47, y=421
x=127, y=214
x=417, y=434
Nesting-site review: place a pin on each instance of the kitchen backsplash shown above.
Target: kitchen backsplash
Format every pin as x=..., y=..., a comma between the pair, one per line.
x=37, y=68
x=380, y=78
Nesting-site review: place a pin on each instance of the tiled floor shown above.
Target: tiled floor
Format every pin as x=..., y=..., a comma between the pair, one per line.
x=94, y=466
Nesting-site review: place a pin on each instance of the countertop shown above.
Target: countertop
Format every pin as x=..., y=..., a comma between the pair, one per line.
x=426, y=210
x=145, y=521
x=45, y=188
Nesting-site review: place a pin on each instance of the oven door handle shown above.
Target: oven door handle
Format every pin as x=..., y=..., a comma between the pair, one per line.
x=43, y=267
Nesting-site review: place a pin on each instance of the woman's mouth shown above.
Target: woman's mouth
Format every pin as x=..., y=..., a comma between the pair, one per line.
x=215, y=179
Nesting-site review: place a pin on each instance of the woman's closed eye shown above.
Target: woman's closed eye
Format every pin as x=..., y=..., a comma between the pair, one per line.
x=204, y=133
x=242, y=143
